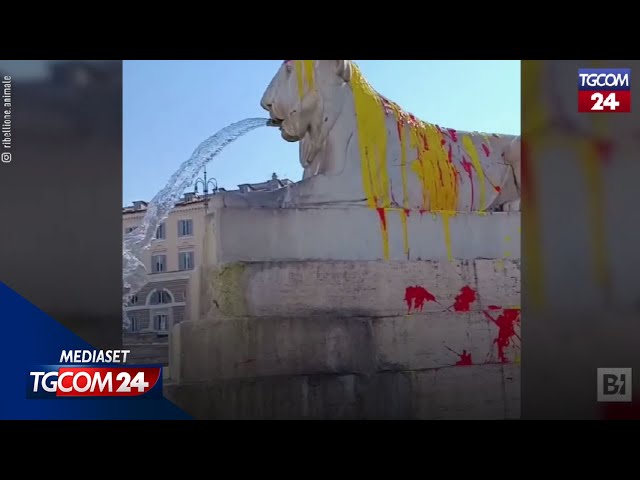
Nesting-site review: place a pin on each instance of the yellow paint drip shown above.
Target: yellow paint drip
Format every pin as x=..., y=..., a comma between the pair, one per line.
x=304, y=72
x=433, y=169
x=447, y=232
x=372, y=139
x=470, y=148
x=405, y=231
x=518, y=359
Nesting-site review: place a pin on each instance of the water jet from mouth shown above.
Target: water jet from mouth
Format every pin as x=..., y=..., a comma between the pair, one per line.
x=134, y=273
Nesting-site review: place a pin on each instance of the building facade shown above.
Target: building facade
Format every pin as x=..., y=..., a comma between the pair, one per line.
x=172, y=263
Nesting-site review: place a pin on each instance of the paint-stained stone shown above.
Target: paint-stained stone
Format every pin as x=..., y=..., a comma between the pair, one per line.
x=353, y=234
x=355, y=288
x=426, y=341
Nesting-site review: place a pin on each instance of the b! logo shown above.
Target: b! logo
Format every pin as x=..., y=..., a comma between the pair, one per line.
x=614, y=385
x=604, y=90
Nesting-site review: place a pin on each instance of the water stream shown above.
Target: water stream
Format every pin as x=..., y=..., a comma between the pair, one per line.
x=135, y=243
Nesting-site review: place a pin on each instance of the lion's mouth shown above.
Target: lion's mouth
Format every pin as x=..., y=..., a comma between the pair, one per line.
x=275, y=122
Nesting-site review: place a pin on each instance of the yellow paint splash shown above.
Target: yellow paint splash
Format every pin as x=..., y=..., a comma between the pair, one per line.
x=447, y=232
x=471, y=150
x=432, y=167
x=304, y=72
x=518, y=359
x=507, y=239
x=436, y=173
x=372, y=139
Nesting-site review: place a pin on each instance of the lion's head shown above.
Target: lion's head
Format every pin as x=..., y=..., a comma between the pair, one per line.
x=306, y=95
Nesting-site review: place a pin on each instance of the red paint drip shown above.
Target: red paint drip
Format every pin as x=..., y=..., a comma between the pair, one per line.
x=454, y=134
x=400, y=126
x=468, y=167
x=424, y=142
x=487, y=152
x=415, y=297
x=465, y=359
x=506, y=330
x=464, y=299
x=497, y=189
x=383, y=218
x=422, y=211
x=442, y=142
x=407, y=211
x=450, y=154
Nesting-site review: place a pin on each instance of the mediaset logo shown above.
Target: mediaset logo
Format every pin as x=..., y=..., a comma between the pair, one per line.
x=94, y=373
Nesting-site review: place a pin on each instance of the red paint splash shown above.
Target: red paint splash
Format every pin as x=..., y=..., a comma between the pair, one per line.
x=407, y=212
x=465, y=359
x=464, y=299
x=442, y=141
x=415, y=297
x=383, y=218
x=487, y=152
x=454, y=134
x=494, y=307
x=497, y=189
x=506, y=330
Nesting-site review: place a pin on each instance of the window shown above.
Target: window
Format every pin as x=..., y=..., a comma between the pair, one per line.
x=158, y=263
x=160, y=296
x=133, y=300
x=160, y=232
x=185, y=260
x=129, y=229
x=185, y=228
x=134, y=325
x=160, y=322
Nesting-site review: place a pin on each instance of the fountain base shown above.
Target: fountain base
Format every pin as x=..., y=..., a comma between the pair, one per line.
x=300, y=316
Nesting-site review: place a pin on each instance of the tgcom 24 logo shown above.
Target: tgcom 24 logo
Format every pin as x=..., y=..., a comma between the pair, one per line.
x=93, y=373
x=604, y=90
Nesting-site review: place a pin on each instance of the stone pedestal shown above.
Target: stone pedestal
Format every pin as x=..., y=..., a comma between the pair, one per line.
x=291, y=327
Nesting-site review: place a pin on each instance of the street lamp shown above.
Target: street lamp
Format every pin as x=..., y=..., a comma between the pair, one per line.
x=205, y=186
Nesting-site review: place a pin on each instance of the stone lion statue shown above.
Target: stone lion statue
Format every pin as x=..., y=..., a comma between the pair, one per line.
x=359, y=148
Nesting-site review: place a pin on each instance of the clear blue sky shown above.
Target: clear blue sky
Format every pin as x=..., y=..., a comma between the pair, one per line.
x=172, y=106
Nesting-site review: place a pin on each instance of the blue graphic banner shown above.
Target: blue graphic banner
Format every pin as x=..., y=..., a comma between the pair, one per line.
x=32, y=338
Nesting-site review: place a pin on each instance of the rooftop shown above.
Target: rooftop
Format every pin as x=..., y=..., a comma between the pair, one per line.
x=190, y=198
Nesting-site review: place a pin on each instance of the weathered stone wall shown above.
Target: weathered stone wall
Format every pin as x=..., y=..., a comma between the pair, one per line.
x=368, y=338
